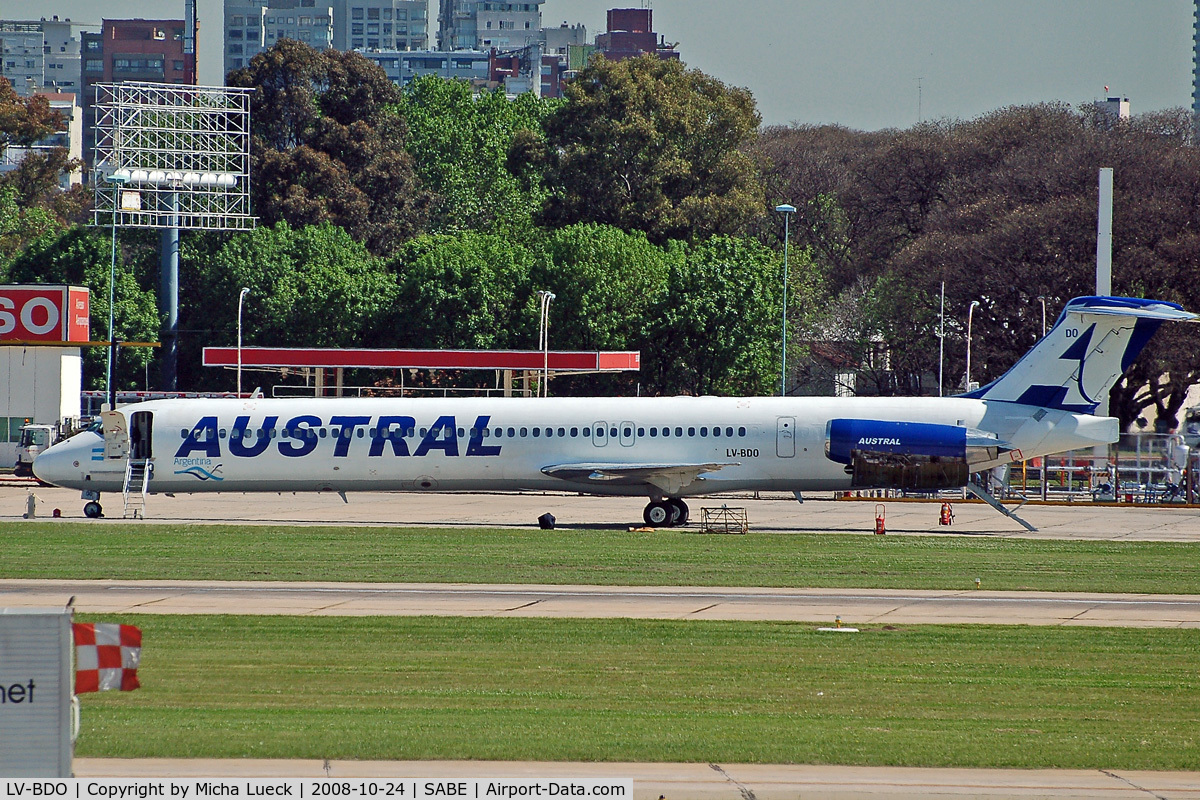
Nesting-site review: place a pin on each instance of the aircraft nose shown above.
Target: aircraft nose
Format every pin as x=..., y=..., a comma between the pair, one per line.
x=55, y=465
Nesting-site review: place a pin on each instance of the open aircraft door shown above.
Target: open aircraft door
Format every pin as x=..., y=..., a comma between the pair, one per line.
x=785, y=437
x=116, y=434
x=141, y=434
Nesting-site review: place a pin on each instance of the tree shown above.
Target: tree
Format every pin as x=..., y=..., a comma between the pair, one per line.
x=647, y=145
x=459, y=143
x=25, y=120
x=309, y=287
x=468, y=290
x=83, y=257
x=327, y=145
x=715, y=329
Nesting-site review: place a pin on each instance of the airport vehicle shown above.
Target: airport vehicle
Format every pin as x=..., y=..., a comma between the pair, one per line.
x=34, y=439
x=667, y=449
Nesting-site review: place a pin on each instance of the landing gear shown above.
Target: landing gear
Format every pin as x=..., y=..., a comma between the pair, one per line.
x=680, y=509
x=92, y=509
x=666, y=513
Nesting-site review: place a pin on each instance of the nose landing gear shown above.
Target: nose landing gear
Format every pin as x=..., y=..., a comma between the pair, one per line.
x=667, y=513
x=92, y=509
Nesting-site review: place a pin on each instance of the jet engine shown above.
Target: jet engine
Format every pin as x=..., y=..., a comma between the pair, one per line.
x=917, y=456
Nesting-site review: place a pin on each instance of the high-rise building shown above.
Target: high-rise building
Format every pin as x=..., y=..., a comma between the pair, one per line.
x=41, y=55
x=252, y=26
x=631, y=34
x=481, y=25
x=380, y=24
x=152, y=50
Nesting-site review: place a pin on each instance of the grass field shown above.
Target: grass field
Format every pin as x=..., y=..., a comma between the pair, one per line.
x=613, y=690
x=216, y=552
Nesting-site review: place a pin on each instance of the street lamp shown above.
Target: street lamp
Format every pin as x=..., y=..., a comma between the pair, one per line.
x=545, y=296
x=241, y=296
x=117, y=179
x=1042, y=298
x=941, y=335
x=787, y=211
x=970, y=314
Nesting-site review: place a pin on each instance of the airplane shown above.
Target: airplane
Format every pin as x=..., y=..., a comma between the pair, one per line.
x=666, y=449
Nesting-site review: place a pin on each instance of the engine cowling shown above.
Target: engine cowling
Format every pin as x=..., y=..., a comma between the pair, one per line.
x=917, y=456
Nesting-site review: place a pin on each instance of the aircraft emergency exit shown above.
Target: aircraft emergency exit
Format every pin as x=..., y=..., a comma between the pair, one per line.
x=666, y=449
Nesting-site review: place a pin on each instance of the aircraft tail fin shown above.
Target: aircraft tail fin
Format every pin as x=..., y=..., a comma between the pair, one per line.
x=1089, y=348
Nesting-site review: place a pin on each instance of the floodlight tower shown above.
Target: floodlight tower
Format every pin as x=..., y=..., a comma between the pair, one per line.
x=182, y=157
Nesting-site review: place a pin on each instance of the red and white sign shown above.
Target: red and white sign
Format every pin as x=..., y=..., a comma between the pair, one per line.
x=43, y=313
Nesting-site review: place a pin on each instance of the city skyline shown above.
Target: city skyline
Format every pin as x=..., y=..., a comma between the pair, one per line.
x=864, y=64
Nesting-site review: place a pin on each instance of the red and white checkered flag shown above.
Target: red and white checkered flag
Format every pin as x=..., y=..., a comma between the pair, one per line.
x=106, y=656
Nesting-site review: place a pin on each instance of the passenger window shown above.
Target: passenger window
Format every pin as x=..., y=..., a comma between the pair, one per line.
x=612, y=432
x=512, y=432
x=741, y=431
x=704, y=431
x=549, y=432
x=628, y=432
x=322, y=433
x=460, y=433
x=537, y=432
x=641, y=431
x=729, y=431
x=574, y=432
x=524, y=432
x=222, y=433
x=679, y=431
x=474, y=433
x=716, y=430
x=424, y=432
x=183, y=433
x=653, y=432
x=562, y=432
x=691, y=431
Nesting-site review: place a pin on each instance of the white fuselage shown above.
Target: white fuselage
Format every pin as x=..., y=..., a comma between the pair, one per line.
x=505, y=444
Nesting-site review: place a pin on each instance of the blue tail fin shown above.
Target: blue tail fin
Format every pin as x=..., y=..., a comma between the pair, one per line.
x=1090, y=346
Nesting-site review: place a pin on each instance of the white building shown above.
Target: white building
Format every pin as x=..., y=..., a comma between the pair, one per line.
x=482, y=24
x=44, y=54
x=380, y=24
x=69, y=138
x=252, y=26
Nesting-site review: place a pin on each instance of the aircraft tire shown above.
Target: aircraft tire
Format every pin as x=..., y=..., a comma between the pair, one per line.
x=92, y=509
x=658, y=514
x=679, y=512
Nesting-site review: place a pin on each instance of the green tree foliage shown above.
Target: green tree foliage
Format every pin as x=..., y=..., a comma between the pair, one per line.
x=647, y=145
x=716, y=328
x=309, y=287
x=459, y=143
x=467, y=290
x=83, y=257
x=607, y=284
x=326, y=145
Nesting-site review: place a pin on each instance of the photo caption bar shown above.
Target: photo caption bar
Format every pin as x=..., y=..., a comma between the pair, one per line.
x=311, y=788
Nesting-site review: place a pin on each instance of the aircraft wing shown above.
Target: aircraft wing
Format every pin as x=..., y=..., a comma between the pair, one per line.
x=670, y=478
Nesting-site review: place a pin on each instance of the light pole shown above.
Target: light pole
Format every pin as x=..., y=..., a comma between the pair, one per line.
x=241, y=296
x=1042, y=298
x=545, y=297
x=787, y=211
x=117, y=179
x=970, y=314
x=941, y=337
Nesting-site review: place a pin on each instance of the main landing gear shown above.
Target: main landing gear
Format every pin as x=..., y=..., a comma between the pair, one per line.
x=666, y=513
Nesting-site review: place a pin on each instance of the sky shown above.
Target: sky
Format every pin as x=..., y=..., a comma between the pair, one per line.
x=865, y=64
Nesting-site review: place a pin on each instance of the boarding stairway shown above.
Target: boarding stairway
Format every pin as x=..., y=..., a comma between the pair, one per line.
x=137, y=480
